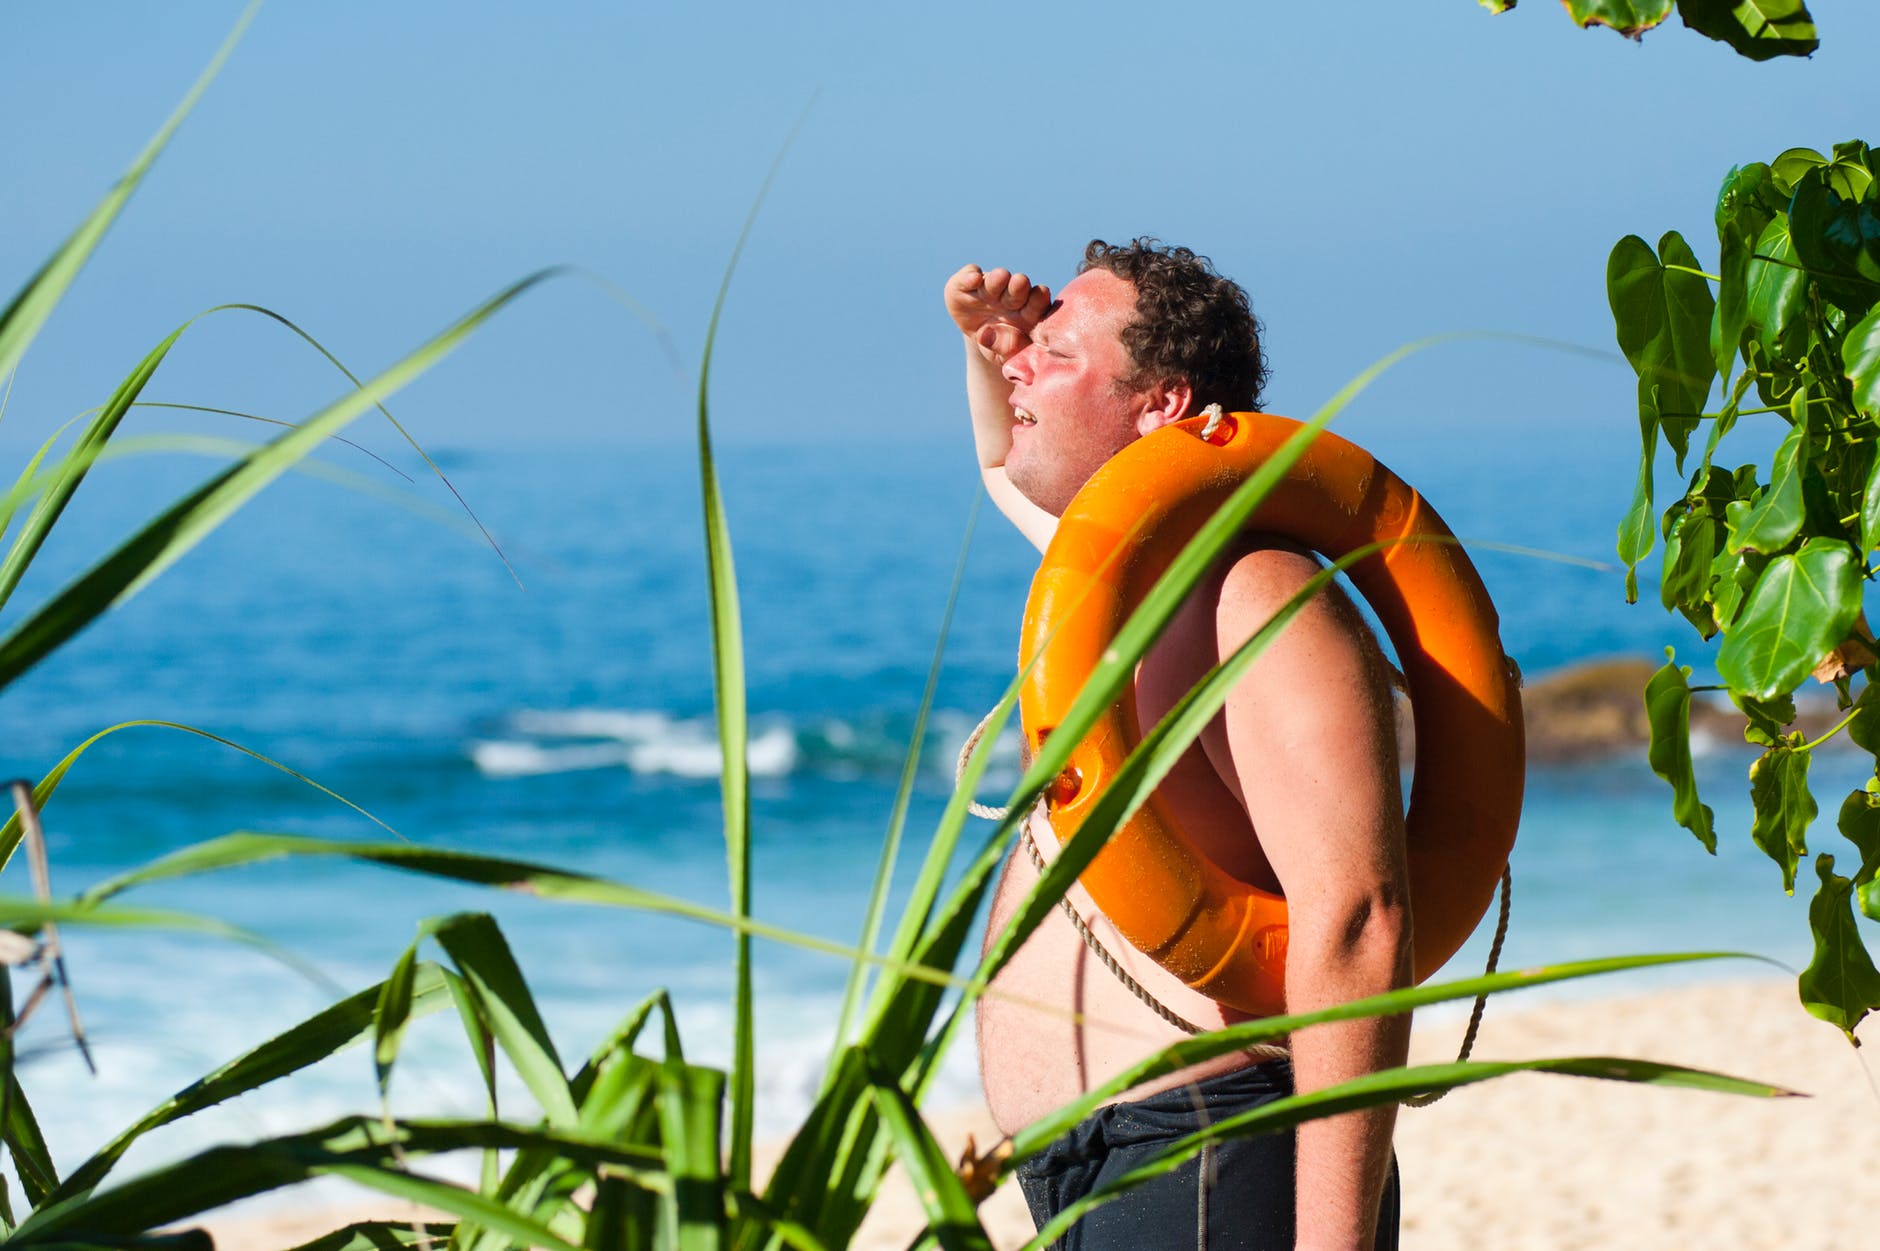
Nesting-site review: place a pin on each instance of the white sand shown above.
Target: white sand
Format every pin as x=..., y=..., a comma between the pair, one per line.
x=1532, y=1162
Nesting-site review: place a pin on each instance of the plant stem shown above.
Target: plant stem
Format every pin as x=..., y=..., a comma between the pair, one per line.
x=1839, y=726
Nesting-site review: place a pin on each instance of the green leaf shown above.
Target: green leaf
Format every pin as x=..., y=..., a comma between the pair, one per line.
x=1837, y=238
x=1774, y=286
x=1864, y=728
x=1767, y=718
x=1860, y=361
x=1778, y=788
x=1668, y=709
x=1630, y=18
x=1736, y=576
x=1776, y=516
x=1497, y=6
x=1792, y=166
x=1840, y=985
x=1742, y=214
x=1859, y=824
x=1635, y=528
x=1662, y=317
x=1758, y=29
x=1802, y=606
x=1696, y=531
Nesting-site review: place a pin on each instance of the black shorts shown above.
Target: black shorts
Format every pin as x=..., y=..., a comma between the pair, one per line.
x=1237, y=1194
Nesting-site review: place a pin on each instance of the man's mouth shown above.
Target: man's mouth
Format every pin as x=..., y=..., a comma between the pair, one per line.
x=1024, y=418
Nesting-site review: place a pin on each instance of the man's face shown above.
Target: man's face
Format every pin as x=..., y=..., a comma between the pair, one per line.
x=1072, y=409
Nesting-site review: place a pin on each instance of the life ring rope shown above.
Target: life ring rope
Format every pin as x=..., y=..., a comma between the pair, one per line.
x=992, y=812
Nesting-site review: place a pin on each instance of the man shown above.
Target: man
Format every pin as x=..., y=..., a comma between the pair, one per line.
x=1293, y=788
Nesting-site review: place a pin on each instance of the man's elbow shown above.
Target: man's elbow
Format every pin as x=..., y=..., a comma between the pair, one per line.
x=1367, y=940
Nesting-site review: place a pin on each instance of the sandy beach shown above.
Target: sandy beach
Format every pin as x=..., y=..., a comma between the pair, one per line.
x=1539, y=1162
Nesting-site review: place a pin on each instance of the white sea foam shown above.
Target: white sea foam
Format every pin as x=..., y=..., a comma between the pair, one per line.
x=641, y=741
x=549, y=741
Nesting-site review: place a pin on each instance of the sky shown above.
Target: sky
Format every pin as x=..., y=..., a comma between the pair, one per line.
x=1374, y=172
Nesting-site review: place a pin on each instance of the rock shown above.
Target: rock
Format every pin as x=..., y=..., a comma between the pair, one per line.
x=1596, y=709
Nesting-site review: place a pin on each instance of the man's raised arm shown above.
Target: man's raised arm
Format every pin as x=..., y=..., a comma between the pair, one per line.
x=995, y=311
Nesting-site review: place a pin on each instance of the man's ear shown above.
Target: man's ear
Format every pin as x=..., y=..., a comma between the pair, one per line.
x=1167, y=402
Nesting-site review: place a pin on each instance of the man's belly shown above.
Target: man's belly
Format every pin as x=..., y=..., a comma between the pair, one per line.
x=1058, y=1023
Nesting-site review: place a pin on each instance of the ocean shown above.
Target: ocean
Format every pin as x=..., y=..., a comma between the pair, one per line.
x=376, y=645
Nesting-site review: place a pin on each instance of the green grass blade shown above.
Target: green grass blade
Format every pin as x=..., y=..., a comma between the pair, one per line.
x=728, y=688
x=618, y=1042
x=903, y=794
x=1172, y=1059
x=691, y=1105
x=48, y=785
x=164, y=540
x=390, y=1015
x=483, y=958
x=30, y=915
x=753, y=1213
x=27, y=313
x=483, y=1051
x=19, y=1129
x=403, y=433
x=328, y=1032
x=23, y=485
x=359, y=1148
x=952, y=1216
x=540, y=881
x=1392, y=1086
x=76, y=464
x=381, y=1236
x=268, y=421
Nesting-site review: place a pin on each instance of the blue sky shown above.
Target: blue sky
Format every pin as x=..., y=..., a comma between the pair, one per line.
x=1374, y=171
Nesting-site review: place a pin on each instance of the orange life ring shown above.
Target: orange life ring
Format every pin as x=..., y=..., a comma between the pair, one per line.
x=1217, y=933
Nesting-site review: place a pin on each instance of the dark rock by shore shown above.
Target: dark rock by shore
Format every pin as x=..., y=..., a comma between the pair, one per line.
x=1596, y=709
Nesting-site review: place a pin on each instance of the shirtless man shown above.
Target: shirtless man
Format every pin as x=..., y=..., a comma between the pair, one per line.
x=1293, y=787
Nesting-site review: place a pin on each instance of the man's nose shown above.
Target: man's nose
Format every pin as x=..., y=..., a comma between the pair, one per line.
x=1017, y=367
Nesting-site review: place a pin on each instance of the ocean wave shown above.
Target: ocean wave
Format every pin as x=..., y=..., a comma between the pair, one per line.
x=534, y=742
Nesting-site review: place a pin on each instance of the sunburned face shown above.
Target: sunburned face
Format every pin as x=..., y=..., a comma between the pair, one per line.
x=1071, y=407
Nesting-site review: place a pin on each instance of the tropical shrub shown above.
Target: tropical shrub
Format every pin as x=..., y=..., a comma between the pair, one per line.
x=1772, y=557
x=1759, y=29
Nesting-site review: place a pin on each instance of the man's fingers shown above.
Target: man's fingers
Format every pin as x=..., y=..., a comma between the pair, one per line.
x=994, y=283
x=1040, y=301
x=965, y=278
x=1017, y=291
x=1001, y=339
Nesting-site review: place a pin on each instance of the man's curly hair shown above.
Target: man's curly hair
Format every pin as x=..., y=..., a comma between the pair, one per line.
x=1191, y=323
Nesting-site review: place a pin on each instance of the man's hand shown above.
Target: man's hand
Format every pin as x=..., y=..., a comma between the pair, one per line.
x=995, y=309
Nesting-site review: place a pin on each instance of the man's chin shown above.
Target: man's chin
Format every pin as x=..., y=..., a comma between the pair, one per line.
x=1053, y=501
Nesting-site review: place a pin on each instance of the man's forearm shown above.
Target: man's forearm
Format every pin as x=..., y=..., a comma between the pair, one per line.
x=1343, y=1161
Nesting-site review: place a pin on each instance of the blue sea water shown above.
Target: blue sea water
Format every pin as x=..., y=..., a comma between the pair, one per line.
x=380, y=648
